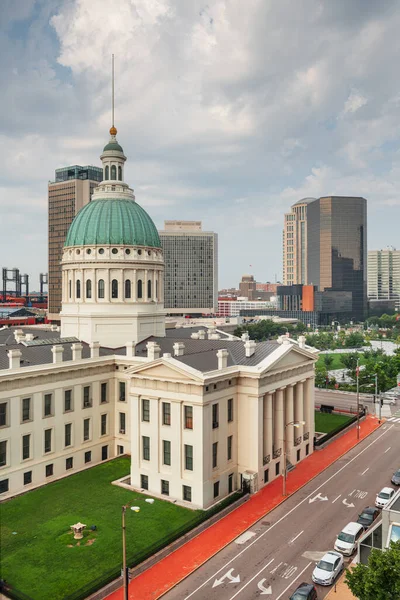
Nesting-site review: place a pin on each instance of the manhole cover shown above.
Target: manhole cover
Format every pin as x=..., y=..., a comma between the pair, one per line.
x=266, y=523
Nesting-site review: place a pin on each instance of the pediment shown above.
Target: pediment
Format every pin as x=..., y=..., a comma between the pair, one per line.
x=294, y=357
x=167, y=371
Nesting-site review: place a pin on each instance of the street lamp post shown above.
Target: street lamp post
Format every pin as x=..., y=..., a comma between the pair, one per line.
x=295, y=424
x=358, y=398
x=125, y=570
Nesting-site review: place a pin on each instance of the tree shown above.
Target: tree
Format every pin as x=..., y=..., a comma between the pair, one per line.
x=380, y=579
x=349, y=361
x=328, y=360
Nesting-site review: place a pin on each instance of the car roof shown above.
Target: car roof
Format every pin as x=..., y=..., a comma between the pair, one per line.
x=331, y=556
x=387, y=490
x=351, y=528
x=368, y=509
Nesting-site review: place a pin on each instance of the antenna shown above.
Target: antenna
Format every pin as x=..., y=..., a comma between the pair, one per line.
x=112, y=78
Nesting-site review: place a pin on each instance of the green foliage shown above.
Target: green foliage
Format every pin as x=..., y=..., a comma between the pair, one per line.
x=268, y=329
x=349, y=361
x=325, y=422
x=328, y=360
x=321, y=374
x=380, y=579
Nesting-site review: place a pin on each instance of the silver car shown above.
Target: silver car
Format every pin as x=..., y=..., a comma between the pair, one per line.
x=396, y=477
x=328, y=568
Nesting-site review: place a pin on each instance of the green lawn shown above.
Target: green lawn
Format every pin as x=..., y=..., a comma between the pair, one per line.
x=337, y=363
x=324, y=422
x=36, y=558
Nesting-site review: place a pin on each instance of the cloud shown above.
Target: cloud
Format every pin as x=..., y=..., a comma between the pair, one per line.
x=354, y=102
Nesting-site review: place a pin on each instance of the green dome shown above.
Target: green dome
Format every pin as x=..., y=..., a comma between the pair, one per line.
x=113, y=221
x=113, y=146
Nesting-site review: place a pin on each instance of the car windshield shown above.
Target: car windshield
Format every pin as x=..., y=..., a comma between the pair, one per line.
x=325, y=565
x=397, y=474
x=299, y=596
x=384, y=495
x=346, y=537
x=366, y=516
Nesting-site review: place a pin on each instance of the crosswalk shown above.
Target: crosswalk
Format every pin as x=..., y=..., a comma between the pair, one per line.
x=395, y=418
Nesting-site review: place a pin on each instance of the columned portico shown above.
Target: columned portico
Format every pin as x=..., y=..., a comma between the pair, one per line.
x=299, y=407
x=279, y=420
x=268, y=426
x=289, y=417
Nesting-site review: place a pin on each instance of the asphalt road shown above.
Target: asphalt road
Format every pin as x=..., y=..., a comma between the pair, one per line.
x=280, y=551
x=344, y=401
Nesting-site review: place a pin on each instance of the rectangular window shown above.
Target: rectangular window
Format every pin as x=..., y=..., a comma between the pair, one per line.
x=166, y=413
x=277, y=468
x=215, y=455
x=307, y=449
x=47, y=440
x=26, y=446
x=27, y=477
x=146, y=447
x=230, y=440
x=230, y=483
x=266, y=475
x=87, y=401
x=166, y=452
x=216, y=489
x=145, y=410
x=215, y=416
x=120, y=449
x=103, y=425
x=48, y=408
x=165, y=487
x=230, y=410
x=103, y=393
x=3, y=486
x=122, y=422
x=67, y=400
x=69, y=463
x=187, y=493
x=49, y=470
x=26, y=409
x=3, y=453
x=104, y=452
x=144, y=482
x=3, y=414
x=188, y=458
x=122, y=393
x=67, y=436
x=298, y=455
x=86, y=429
x=188, y=417
x=88, y=456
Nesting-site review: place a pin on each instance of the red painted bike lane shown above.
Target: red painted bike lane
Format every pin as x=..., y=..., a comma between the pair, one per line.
x=169, y=571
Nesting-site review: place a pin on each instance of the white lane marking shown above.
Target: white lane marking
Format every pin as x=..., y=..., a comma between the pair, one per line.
x=277, y=567
x=387, y=450
x=337, y=498
x=367, y=469
x=229, y=575
x=263, y=589
x=318, y=497
x=294, y=580
x=245, y=537
x=252, y=579
x=289, y=512
x=295, y=538
x=392, y=419
x=348, y=504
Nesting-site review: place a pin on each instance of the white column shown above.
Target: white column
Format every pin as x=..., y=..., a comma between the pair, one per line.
x=298, y=408
x=309, y=415
x=267, y=420
x=146, y=298
x=278, y=433
x=134, y=284
x=154, y=285
x=107, y=284
x=289, y=418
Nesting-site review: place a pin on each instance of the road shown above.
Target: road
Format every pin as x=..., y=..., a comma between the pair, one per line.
x=344, y=401
x=280, y=551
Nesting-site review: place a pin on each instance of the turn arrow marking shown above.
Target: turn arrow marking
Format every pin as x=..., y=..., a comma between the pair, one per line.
x=349, y=504
x=263, y=589
x=232, y=579
x=318, y=497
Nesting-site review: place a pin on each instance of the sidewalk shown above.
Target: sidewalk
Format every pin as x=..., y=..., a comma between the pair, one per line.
x=340, y=591
x=168, y=572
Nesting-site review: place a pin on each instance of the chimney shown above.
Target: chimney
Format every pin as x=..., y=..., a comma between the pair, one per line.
x=94, y=349
x=195, y=336
x=57, y=351
x=14, y=357
x=179, y=349
x=29, y=337
x=245, y=336
x=153, y=350
x=76, y=351
x=222, y=356
x=302, y=341
x=19, y=335
x=130, y=349
x=250, y=348
x=202, y=334
x=167, y=355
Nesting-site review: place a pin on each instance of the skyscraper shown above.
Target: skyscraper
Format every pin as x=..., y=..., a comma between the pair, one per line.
x=71, y=190
x=384, y=275
x=191, y=268
x=295, y=244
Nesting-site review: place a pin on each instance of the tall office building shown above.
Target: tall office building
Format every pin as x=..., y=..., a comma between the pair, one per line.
x=191, y=268
x=71, y=190
x=295, y=244
x=384, y=276
x=337, y=248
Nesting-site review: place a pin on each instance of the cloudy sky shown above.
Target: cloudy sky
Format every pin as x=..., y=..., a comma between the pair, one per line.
x=229, y=111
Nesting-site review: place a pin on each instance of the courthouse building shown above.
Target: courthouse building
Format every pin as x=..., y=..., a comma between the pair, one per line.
x=198, y=412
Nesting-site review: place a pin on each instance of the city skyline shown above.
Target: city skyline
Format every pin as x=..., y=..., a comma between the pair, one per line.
x=210, y=139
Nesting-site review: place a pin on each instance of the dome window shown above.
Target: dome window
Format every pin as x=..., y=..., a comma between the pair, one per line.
x=139, y=289
x=88, y=288
x=78, y=251
x=149, y=289
x=88, y=251
x=114, y=288
x=127, y=288
x=113, y=173
x=101, y=251
x=127, y=251
x=114, y=250
x=139, y=252
x=107, y=172
x=100, y=287
x=120, y=173
x=149, y=253
x=78, y=288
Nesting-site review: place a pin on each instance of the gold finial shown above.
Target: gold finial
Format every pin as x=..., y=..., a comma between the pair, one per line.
x=113, y=130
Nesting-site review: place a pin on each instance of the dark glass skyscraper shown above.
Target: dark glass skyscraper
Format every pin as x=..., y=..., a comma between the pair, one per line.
x=337, y=248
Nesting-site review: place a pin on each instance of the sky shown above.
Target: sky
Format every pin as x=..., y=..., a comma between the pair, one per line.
x=229, y=112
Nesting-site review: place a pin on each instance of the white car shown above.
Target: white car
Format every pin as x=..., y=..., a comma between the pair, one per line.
x=384, y=496
x=328, y=568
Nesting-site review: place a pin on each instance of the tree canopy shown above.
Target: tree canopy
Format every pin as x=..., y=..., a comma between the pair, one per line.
x=380, y=579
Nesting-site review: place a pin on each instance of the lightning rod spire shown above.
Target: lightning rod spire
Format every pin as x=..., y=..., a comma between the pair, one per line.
x=113, y=130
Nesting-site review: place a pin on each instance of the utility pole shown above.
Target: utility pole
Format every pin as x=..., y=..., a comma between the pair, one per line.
x=358, y=398
x=124, y=567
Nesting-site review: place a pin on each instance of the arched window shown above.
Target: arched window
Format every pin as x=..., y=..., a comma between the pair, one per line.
x=107, y=172
x=149, y=289
x=114, y=288
x=139, y=289
x=88, y=288
x=70, y=288
x=78, y=288
x=100, y=286
x=120, y=173
x=127, y=288
x=113, y=172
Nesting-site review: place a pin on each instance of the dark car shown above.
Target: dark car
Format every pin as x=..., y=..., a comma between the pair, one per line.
x=368, y=516
x=305, y=591
x=396, y=477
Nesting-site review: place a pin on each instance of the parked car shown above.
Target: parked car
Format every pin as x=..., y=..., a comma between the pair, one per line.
x=368, y=516
x=396, y=477
x=328, y=568
x=384, y=496
x=346, y=541
x=305, y=591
